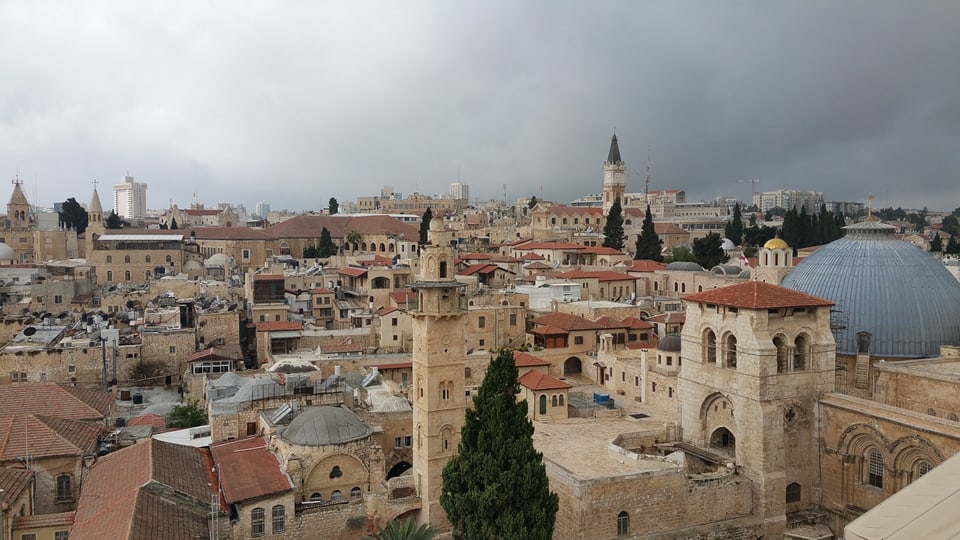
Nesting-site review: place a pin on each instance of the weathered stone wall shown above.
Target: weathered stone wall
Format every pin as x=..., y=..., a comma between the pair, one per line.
x=65, y=365
x=171, y=349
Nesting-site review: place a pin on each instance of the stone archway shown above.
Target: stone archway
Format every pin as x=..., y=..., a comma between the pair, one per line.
x=398, y=469
x=723, y=441
x=572, y=366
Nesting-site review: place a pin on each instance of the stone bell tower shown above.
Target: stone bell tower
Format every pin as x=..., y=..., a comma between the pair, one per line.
x=614, y=177
x=439, y=359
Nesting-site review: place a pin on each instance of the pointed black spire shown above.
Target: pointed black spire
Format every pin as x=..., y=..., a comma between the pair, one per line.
x=614, y=155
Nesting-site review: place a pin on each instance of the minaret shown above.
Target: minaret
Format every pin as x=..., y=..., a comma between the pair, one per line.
x=439, y=359
x=614, y=172
x=95, y=225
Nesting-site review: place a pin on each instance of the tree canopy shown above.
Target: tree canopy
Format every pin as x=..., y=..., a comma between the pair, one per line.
x=326, y=248
x=333, y=206
x=709, y=251
x=114, y=221
x=186, y=415
x=953, y=248
x=649, y=245
x=613, y=236
x=532, y=202
x=936, y=245
x=496, y=486
x=425, y=225
x=73, y=216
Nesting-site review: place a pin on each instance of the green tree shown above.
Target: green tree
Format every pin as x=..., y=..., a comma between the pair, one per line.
x=113, y=221
x=353, y=239
x=173, y=223
x=532, y=202
x=73, y=216
x=649, y=245
x=709, y=251
x=326, y=248
x=406, y=529
x=734, y=228
x=682, y=254
x=936, y=245
x=953, y=248
x=333, y=206
x=425, y=225
x=496, y=486
x=613, y=236
x=186, y=415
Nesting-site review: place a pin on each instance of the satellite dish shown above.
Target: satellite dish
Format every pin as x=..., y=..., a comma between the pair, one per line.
x=29, y=331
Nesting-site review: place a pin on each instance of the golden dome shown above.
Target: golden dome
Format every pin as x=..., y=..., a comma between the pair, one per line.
x=775, y=243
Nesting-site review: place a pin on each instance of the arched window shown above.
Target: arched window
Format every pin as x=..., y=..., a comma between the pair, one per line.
x=109, y=275
x=553, y=400
x=336, y=472
x=316, y=497
x=561, y=400
x=126, y=275
x=623, y=524
x=355, y=493
x=109, y=258
x=383, y=247
x=64, y=487
x=710, y=347
x=126, y=258
x=543, y=404
x=801, y=352
x=922, y=468
x=256, y=522
x=336, y=496
x=683, y=287
x=146, y=274
x=146, y=259
x=730, y=351
x=443, y=269
x=279, y=514
x=793, y=493
x=875, y=468
x=780, y=342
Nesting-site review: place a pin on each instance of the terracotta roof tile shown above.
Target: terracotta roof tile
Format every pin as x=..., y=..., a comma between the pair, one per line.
x=279, y=326
x=668, y=228
x=62, y=519
x=537, y=380
x=645, y=265
x=600, y=250
x=523, y=359
x=757, y=295
x=352, y=271
x=13, y=481
x=48, y=399
x=149, y=419
x=607, y=323
x=548, y=330
x=230, y=233
x=550, y=246
x=637, y=324
x=599, y=275
x=41, y=437
x=566, y=321
x=307, y=226
x=248, y=470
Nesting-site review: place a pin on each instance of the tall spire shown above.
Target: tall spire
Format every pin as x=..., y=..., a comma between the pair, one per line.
x=614, y=155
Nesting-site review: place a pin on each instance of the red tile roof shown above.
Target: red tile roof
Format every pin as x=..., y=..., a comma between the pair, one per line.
x=279, y=326
x=229, y=233
x=638, y=345
x=352, y=271
x=600, y=250
x=13, y=481
x=566, y=321
x=117, y=500
x=548, y=331
x=45, y=437
x=386, y=311
x=523, y=359
x=403, y=296
x=538, y=266
x=48, y=399
x=483, y=269
x=225, y=353
x=551, y=246
x=532, y=257
x=610, y=324
x=148, y=419
x=637, y=324
x=248, y=470
x=537, y=380
x=645, y=265
x=668, y=228
x=757, y=295
x=62, y=519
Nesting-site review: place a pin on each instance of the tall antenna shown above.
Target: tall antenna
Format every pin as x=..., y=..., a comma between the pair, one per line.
x=646, y=180
x=504, y=194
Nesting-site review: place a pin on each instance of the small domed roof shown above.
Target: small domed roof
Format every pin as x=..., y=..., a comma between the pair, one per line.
x=6, y=253
x=744, y=274
x=727, y=244
x=218, y=259
x=436, y=224
x=775, y=243
x=726, y=270
x=192, y=265
x=321, y=426
x=684, y=266
x=669, y=343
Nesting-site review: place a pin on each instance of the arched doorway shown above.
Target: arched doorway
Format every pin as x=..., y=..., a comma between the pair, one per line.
x=398, y=469
x=722, y=440
x=572, y=366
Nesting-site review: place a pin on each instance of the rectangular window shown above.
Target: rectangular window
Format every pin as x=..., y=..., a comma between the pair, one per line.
x=408, y=441
x=578, y=340
x=173, y=349
x=30, y=536
x=58, y=299
x=398, y=442
x=482, y=342
x=481, y=322
x=513, y=319
x=393, y=322
x=246, y=254
x=61, y=535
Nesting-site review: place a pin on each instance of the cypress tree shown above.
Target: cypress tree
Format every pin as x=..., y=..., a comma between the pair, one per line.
x=613, y=236
x=936, y=245
x=709, y=251
x=953, y=248
x=734, y=228
x=326, y=247
x=496, y=486
x=649, y=245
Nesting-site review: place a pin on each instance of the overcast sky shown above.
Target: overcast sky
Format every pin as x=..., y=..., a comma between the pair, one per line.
x=296, y=102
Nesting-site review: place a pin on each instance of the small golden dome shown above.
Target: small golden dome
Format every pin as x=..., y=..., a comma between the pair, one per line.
x=775, y=243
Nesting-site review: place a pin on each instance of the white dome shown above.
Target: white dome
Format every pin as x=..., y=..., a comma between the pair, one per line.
x=6, y=253
x=727, y=244
x=218, y=259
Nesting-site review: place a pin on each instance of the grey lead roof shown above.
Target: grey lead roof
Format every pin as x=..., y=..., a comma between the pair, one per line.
x=320, y=426
x=896, y=291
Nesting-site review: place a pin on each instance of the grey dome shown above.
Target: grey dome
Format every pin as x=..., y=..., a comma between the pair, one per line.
x=908, y=301
x=670, y=343
x=320, y=426
x=745, y=274
x=6, y=253
x=684, y=266
x=726, y=270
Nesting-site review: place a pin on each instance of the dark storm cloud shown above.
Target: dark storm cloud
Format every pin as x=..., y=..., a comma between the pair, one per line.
x=295, y=103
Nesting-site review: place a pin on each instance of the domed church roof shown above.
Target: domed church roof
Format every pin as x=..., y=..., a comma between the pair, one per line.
x=907, y=300
x=775, y=243
x=320, y=426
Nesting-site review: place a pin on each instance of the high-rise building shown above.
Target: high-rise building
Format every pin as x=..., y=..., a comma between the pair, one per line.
x=459, y=190
x=263, y=210
x=130, y=198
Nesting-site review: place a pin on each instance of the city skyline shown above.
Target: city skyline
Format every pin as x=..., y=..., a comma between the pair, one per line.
x=329, y=101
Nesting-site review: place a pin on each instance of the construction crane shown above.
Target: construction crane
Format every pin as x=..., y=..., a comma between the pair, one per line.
x=753, y=185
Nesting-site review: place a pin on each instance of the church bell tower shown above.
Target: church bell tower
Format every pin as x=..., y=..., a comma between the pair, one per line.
x=614, y=173
x=439, y=359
